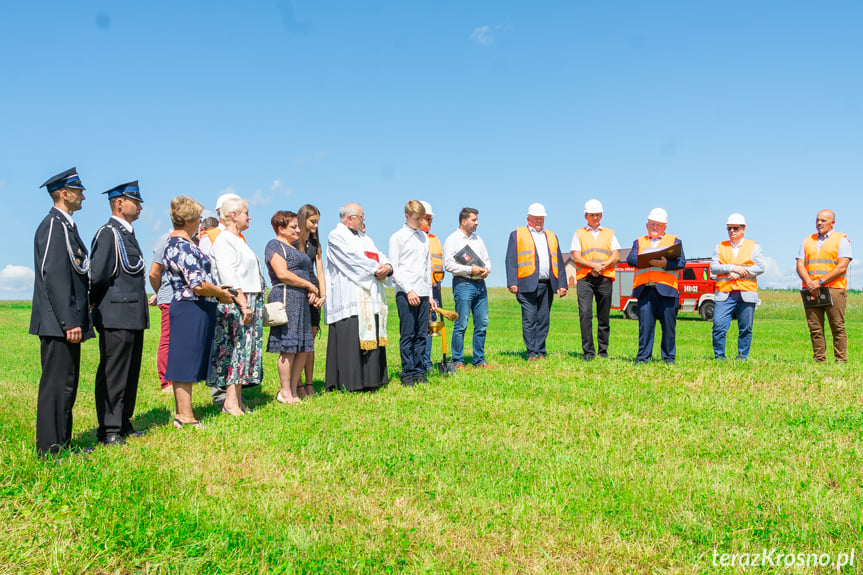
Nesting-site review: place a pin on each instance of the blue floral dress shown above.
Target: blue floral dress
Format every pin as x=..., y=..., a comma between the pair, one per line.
x=192, y=317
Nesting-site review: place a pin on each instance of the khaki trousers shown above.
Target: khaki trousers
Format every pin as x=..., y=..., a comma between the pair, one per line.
x=836, y=318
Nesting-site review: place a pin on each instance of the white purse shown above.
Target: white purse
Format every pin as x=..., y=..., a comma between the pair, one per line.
x=276, y=313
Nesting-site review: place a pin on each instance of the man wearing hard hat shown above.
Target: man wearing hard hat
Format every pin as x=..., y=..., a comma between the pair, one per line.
x=595, y=250
x=736, y=263
x=534, y=272
x=655, y=287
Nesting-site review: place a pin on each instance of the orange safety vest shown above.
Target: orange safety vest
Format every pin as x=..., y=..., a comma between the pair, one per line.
x=525, y=252
x=652, y=274
x=595, y=249
x=819, y=262
x=214, y=232
x=436, y=258
x=744, y=258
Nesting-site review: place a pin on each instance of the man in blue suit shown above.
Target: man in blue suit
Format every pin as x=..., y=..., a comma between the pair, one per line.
x=656, y=288
x=534, y=272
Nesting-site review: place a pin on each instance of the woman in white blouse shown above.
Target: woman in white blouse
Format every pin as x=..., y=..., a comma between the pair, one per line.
x=237, y=345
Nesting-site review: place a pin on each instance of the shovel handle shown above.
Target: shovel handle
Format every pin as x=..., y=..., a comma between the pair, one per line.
x=443, y=340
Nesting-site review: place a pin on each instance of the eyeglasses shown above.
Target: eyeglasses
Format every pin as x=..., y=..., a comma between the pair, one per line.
x=361, y=216
x=734, y=228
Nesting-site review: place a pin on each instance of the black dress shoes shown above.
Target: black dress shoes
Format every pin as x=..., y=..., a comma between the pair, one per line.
x=113, y=439
x=135, y=433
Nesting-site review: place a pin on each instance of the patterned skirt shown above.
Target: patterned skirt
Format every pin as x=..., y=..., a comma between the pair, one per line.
x=237, y=357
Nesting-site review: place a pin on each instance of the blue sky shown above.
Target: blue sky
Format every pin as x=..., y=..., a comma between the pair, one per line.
x=702, y=107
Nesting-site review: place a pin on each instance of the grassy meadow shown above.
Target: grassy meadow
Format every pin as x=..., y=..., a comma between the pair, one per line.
x=559, y=466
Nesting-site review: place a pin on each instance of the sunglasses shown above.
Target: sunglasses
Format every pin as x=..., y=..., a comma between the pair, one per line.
x=734, y=228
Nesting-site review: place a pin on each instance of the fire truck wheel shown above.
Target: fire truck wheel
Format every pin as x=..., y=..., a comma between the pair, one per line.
x=706, y=310
x=631, y=311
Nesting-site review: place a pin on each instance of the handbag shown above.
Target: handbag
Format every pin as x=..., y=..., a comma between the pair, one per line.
x=276, y=313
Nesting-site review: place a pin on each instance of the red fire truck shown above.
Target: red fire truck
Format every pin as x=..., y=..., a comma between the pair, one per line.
x=694, y=284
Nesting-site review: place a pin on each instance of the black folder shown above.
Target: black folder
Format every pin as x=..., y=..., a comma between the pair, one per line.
x=823, y=299
x=467, y=257
x=669, y=253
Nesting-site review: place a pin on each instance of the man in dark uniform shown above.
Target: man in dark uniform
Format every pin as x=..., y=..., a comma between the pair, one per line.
x=61, y=312
x=118, y=293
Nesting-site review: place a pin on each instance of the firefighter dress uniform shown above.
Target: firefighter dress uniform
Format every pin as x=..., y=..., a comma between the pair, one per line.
x=120, y=315
x=60, y=304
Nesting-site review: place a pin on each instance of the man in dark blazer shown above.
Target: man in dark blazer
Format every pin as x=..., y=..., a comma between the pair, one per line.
x=61, y=311
x=534, y=272
x=656, y=288
x=120, y=314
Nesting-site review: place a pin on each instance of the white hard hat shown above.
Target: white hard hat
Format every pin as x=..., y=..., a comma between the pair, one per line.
x=536, y=209
x=224, y=197
x=658, y=215
x=736, y=220
x=593, y=207
x=427, y=206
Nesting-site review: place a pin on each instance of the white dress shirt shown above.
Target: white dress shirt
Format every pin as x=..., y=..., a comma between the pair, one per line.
x=455, y=242
x=540, y=244
x=411, y=261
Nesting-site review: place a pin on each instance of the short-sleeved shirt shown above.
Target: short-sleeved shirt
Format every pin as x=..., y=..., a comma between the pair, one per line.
x=187, y=267
x=844, y=247
x=165, y=293
x=312, y=249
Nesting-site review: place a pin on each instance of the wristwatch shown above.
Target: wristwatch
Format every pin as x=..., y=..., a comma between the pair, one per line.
x=820, y=282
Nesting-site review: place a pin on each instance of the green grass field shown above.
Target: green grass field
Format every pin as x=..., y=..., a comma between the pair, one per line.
x=556, y=467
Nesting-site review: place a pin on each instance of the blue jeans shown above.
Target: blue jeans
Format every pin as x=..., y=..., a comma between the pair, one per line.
x=413, y=327
x=722, y=321
x=470, y=297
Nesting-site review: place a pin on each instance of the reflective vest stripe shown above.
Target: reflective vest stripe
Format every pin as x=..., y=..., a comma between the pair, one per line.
x=436, y=258
x=820, y=261
x=743, y=258
x=596, y=249
x=653, y=274
x=525, y=260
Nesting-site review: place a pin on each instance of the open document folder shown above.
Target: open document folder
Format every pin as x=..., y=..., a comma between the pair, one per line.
x=671, y=252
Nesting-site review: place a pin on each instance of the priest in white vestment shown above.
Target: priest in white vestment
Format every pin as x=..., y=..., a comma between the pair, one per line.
x=356, y=308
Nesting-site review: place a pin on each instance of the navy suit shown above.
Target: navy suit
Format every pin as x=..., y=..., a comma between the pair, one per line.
x=659, y=302
x=60, y=304
x=121, y=316
x=533, y=295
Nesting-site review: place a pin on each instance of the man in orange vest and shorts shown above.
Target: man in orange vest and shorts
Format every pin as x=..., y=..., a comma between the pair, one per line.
x=533, y=273
x=736, y=263
x=823, y=261
x=656, y=288
x=595, y=250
